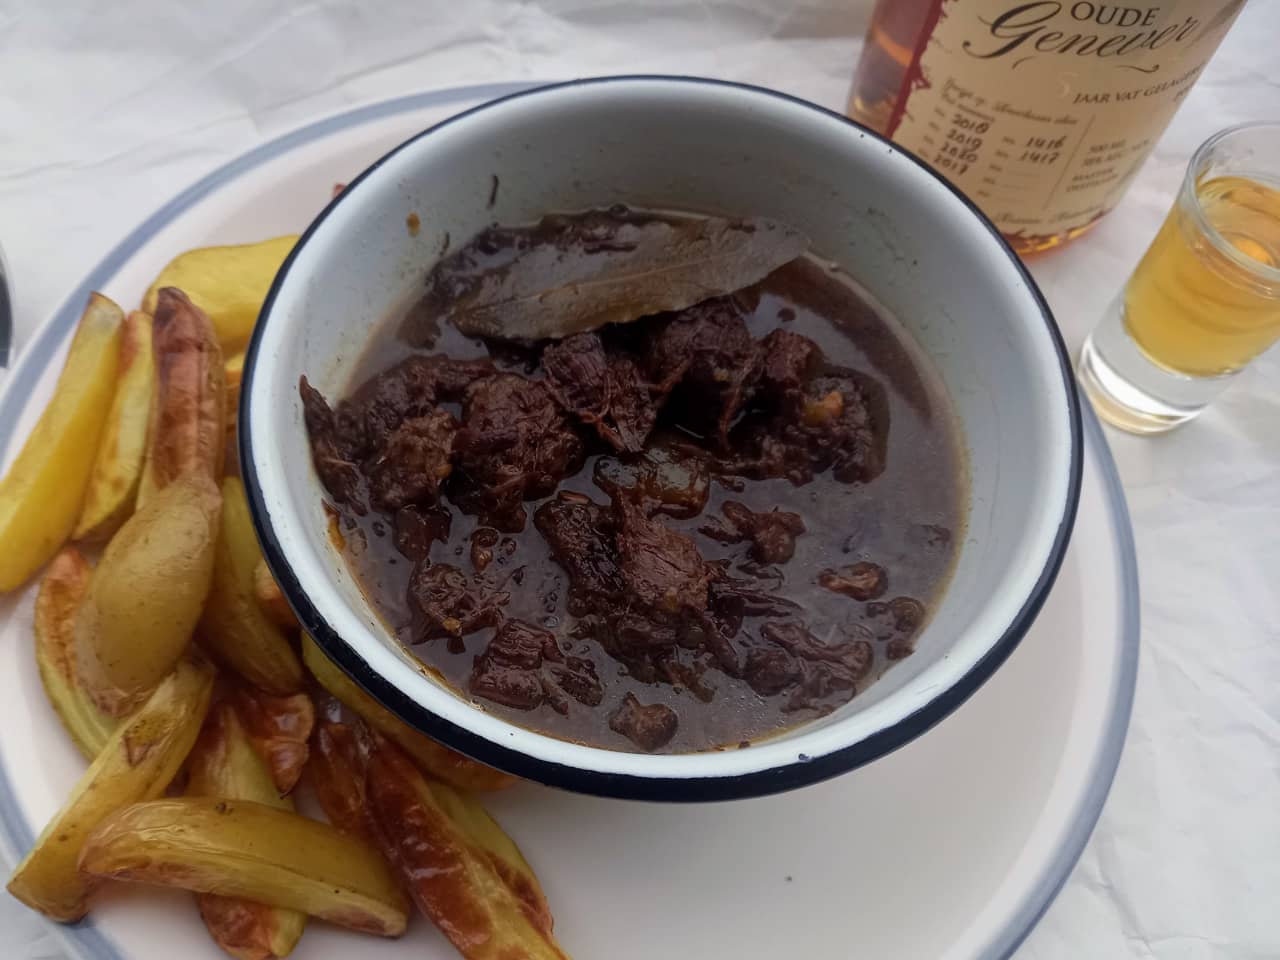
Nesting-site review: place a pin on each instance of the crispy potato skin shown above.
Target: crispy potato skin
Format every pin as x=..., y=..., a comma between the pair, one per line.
x=225, y=764
x=489, y=839
x=451, y=877
x=238, y=848
x=234, y=627
x=280, y=730
x=435, y=758
x=336, y=772
x=250, y=931
x=233, y=370
x=62, y=589
x=229, y=283
x=117, y=469
x=186, y=432
x=271, y=599
x=147, y=594
x=41, y=495
x=136, y=764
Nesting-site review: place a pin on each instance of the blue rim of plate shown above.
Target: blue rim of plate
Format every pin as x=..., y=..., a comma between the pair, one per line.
x=85, y=941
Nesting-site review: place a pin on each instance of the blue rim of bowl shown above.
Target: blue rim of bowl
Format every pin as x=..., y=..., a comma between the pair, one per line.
x=85, y=941
x=789, y=775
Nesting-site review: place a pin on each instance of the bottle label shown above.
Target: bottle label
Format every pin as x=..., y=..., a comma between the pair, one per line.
x=1043, y=111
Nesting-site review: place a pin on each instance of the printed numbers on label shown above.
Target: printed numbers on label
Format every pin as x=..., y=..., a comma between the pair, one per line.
x=959, y=154
x=972, y=124
x=956, y=167
x=964, y=140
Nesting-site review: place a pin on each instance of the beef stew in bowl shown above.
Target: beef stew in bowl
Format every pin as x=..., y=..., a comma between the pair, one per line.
x=937, y=267
x=646, y=482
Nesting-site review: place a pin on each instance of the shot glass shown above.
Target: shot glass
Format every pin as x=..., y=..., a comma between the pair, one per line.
x=1205, y=300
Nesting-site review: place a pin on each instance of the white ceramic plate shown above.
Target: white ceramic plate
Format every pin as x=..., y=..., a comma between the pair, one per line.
x=951, y=847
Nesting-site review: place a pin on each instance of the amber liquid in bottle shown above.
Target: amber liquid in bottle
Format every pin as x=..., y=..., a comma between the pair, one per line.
x=890, y=47
x=1041, y=112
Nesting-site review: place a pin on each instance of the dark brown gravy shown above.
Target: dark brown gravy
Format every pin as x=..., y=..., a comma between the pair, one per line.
x=908, y=521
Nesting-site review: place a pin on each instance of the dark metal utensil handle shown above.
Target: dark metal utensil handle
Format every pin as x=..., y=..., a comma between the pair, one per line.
x=6, y=314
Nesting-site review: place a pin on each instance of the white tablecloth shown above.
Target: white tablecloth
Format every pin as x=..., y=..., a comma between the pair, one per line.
x=107, y=110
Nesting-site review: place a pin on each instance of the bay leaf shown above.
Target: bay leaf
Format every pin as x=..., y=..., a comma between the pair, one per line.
x=572, y=274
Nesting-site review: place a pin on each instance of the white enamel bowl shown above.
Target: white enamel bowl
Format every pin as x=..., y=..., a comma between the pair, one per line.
x=920, y=247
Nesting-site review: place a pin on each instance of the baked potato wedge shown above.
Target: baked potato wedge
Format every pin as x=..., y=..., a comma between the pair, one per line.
x=41, y=494
x=280, y=730
x=113, y=485
x=229, y=283
x=488, y=838
x=225, y=764
x=271, y=598
x=62, y=589
x=138, y=761
x=186, y=432
x=435, y=758
x=147, y=594
x=238, y=848
x=451, y=876
x=234, y=627
x=336, y=772
x=233, y=370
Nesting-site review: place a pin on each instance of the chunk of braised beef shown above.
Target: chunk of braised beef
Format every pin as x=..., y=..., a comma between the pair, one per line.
x=577, y=372
x=607, y=393
x=648, y=727
x=688, y=677
x=411, y=388
x=861, y=581
x=509, y=671
x=661, y=567
x=579, y=532
x=734, y=598
x=908, y=614
x=770, y=670
x=515, y=444
x=448, y=604
x=715, y=637
x=900, y=647
x=576, y=677
x=822, y=684
x=900, y=620
x=416, y=528
x=334, y=465
x=669, y=479
x=632, y=408
x=772, y=532
x=854, y=439
x=789, y=361
x=854, y=649
x=414, y=462
x=637, y=641
x=522, y=667
x=841, y=425
x=708, y=352
x=820, y=670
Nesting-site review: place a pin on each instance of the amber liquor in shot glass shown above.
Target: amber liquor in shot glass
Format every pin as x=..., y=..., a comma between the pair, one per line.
x=1204, y=300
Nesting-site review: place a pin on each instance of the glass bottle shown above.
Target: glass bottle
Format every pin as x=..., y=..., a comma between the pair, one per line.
x=1041, y=111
